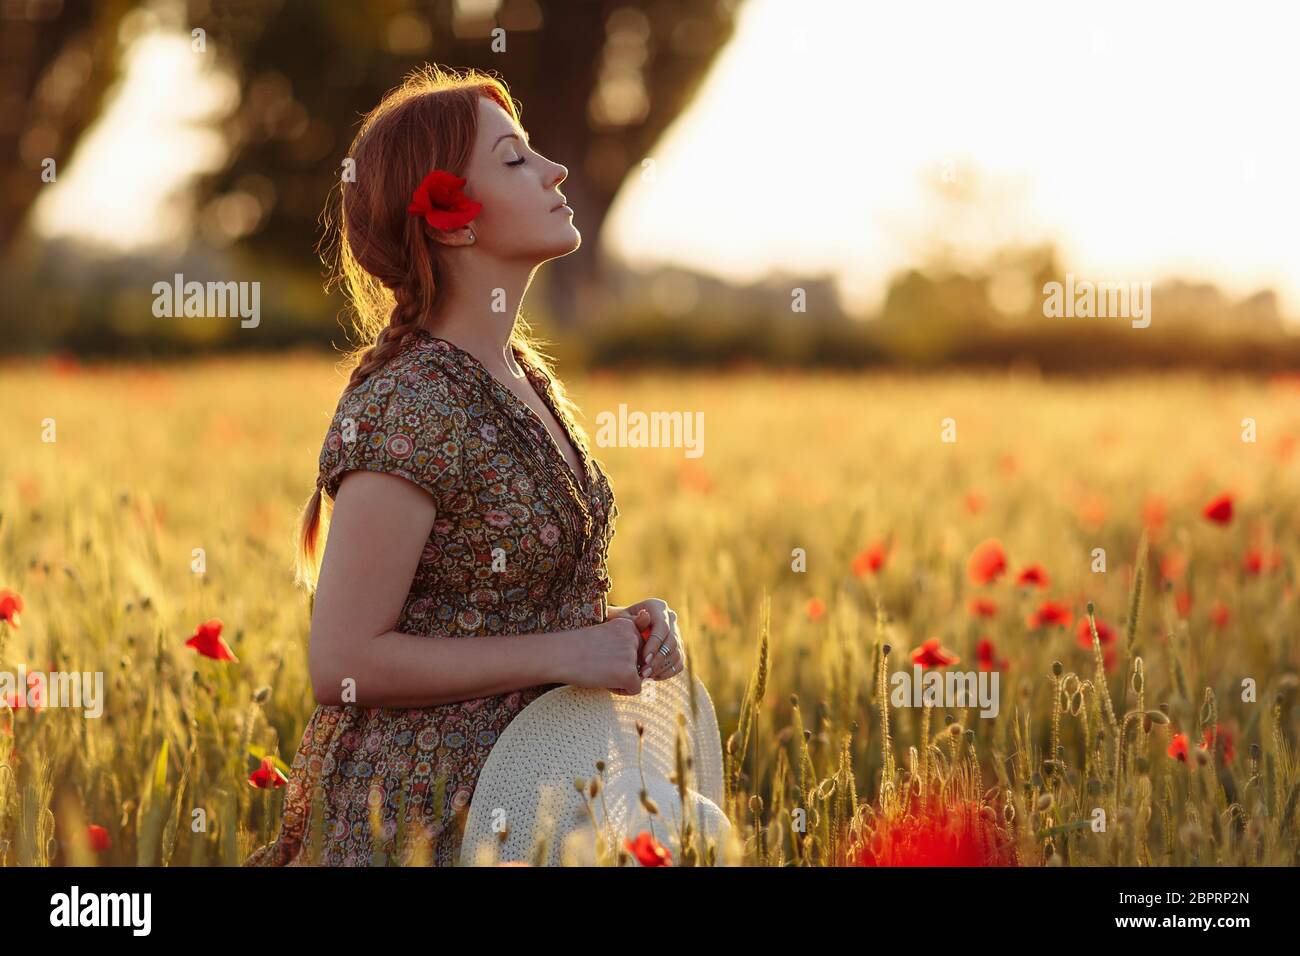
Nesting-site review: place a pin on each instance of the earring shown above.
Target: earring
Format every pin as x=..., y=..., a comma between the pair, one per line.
x=471, y=235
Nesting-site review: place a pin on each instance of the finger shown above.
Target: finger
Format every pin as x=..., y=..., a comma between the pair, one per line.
x=668, y=665
x=644, y=628
x=672, y=667
x=659, y=634
x=663, y=665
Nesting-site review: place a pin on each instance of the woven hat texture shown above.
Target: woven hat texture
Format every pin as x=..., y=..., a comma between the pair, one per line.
x=526, y=787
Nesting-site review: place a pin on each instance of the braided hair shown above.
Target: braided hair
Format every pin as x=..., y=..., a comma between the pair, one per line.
x=386, y=263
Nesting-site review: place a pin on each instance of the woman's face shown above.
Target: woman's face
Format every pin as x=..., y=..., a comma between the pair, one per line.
x=519, y=190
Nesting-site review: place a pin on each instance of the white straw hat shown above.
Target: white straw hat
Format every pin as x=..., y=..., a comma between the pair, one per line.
x=525, y=793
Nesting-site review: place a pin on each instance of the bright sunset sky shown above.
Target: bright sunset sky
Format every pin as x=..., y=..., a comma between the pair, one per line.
x=1148, y=140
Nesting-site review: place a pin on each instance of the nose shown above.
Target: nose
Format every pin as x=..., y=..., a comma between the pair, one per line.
x=561, y=175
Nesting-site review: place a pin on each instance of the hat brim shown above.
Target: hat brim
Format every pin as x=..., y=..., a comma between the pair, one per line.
x=525, y=793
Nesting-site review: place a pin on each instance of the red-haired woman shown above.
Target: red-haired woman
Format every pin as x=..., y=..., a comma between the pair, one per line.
x=465, y=499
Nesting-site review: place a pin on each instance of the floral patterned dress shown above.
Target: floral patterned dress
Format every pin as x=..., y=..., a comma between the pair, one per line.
x=518, y=546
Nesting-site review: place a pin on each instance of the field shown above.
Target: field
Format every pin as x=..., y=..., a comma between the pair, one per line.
x=1193, y=666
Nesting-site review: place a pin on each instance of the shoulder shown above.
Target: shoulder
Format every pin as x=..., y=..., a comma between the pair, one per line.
x=404, y=418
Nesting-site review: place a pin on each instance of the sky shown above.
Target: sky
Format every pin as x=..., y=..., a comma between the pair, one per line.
x=121, y=183
x=1146, y=141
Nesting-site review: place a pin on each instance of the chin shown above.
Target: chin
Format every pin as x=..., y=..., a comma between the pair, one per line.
x=564, y=246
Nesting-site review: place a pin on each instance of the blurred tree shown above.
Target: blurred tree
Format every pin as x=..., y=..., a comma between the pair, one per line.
x=598, y=80
x=58, y=62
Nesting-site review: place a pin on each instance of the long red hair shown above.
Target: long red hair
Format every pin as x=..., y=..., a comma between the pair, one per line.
x=386, y=263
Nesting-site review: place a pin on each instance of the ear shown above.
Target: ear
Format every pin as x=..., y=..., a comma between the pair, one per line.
x=454, y=237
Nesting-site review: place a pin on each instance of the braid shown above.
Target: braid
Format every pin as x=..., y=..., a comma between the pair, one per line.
x=404, y=320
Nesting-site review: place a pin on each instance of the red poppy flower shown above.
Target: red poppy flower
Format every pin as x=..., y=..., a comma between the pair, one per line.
x=1178, y=747
x=98, y=838
x=1051, y=612
x=1092, y=510
x=267, y=775
x=958, y=835
x=1104, y=633
x=32, y=699
x=1220, y=614
x=1219, y=510
x=974, y=502
x=1258, y=562
x=207, y=641
x=1154, y=513
x=11, y=605
x=986, y=654
x=931, y=654
x=648, y=850
x=870, y=559
x=1173, y=564
x=440, y=201
x=1207, y=741
x=1033, y=576
x=1183, y=602
x=987, y=562
x=982, y=607
x=816, y=609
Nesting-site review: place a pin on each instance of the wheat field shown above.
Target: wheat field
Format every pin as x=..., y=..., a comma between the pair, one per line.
x=833, y=525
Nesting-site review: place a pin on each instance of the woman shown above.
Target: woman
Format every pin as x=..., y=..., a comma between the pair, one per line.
x=466, y=502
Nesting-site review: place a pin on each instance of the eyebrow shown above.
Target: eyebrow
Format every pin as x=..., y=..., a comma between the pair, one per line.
x=508, y=135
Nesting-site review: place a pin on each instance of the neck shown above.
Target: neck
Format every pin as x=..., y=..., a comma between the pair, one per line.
x=477, y=307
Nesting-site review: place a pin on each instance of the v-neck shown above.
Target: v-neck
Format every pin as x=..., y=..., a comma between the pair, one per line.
x=525, y=412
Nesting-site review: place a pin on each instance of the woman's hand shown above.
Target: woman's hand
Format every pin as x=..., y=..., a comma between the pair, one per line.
x=657, y=623
x=604, y=655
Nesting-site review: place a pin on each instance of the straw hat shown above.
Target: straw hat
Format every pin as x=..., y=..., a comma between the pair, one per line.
x=526, y=789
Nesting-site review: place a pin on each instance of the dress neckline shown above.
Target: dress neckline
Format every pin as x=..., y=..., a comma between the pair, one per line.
x=521, y=409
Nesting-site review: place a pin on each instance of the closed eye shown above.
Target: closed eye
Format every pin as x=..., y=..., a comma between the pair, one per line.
x=518, y=162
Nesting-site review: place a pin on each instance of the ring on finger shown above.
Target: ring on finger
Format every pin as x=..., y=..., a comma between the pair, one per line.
x=666, y=649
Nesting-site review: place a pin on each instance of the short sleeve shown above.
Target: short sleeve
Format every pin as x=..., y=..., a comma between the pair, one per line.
x=399, y=422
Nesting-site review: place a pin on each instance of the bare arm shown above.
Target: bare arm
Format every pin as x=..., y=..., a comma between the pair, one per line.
x=379, y=528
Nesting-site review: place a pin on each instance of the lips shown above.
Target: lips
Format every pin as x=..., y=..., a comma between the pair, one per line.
x=561, y=205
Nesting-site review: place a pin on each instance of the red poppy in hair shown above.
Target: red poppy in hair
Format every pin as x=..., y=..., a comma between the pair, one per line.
x=440, y=201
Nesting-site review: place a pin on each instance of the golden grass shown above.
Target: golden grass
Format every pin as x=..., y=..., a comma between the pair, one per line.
x=99, y=529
